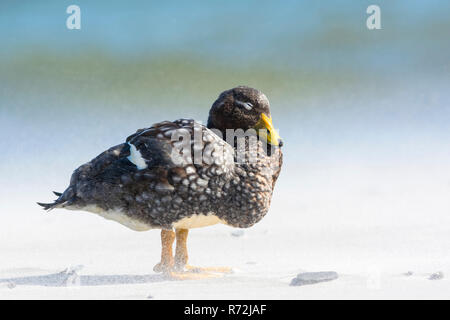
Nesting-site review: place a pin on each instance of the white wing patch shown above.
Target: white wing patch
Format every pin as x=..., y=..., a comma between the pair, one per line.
x=136, y=158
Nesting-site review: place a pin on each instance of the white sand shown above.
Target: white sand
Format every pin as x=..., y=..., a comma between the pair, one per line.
x=370, y=232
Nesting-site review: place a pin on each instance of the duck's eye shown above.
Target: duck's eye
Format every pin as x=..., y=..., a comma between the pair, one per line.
x=245, y=105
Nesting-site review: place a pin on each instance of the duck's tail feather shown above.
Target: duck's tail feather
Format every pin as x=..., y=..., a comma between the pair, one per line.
x=63, y=199
x=49, y=206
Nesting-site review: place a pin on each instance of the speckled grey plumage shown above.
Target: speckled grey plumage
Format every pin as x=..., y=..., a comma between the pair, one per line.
x=166, y=192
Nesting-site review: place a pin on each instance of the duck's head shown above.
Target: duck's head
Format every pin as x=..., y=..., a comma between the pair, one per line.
x=244, y=108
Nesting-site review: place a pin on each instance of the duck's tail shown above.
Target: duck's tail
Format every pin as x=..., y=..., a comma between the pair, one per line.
x=48, y=206
x=62, y=200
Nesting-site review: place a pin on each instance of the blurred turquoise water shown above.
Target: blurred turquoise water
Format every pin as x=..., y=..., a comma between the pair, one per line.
x=341, y=95
x=329, y=35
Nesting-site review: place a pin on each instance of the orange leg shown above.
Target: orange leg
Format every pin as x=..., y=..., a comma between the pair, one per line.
x=181, y=253
x=177, y=268
x=167, y=263
x=181, y=256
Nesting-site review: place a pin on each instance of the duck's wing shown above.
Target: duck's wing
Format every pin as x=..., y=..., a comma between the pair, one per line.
x=155, y=160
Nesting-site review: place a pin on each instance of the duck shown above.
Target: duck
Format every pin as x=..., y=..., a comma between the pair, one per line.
x=180, y=175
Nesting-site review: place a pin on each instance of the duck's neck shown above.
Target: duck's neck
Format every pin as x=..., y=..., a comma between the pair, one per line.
x=252, y=186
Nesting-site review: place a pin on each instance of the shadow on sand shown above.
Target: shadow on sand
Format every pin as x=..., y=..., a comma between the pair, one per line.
x=70, y=277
